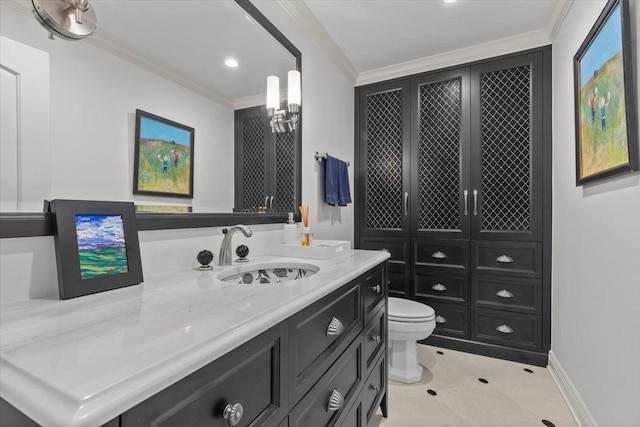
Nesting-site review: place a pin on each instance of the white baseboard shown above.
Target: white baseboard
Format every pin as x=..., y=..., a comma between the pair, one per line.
x=576, y=405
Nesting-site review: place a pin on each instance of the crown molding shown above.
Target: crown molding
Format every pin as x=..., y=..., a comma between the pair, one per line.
x=306, y=20
x=249, y=101
x=558, y=14
x=114, y=47
x=478, y=52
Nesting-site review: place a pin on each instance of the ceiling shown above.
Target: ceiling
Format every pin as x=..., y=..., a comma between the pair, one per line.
x=379, y=34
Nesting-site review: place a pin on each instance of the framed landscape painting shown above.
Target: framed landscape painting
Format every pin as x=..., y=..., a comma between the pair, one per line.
x=97, y=246
x=605, y=100
x=163, y=163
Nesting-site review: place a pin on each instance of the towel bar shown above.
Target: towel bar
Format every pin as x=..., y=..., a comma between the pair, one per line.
x=320, y=156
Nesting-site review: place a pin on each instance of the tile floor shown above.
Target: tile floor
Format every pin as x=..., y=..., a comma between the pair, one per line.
x=453, y=393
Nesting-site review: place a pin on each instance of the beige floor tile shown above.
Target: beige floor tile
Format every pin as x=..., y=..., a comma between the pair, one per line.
x=511, y=397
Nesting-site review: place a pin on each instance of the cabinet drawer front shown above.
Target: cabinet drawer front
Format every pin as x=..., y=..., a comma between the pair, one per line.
x=251, y=375
x=314, y=347
x=373, y=389
x=374, y=338
x=373, y=292
x=451, y=319
x=450, y=253
x=441, y=284
x=342, y=379
x=397, y=247
x=509, y=258
x=509, y=329
x=507, y=293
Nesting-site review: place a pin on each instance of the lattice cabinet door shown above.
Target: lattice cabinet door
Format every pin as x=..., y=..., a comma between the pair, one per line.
x=382, y=178
x=285, y=155
x=506, y=145
x=440, y=155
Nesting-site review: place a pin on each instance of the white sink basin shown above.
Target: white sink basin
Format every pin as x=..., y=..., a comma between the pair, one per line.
x=273, y=272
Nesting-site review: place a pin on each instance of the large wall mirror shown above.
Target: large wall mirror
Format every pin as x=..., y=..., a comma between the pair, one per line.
x=68, y=107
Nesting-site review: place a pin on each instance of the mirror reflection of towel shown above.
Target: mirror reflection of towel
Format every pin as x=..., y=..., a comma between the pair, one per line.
x=336, y=182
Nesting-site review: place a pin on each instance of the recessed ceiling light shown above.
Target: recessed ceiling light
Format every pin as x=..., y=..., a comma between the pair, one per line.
x=449, y=1
x=231, y=63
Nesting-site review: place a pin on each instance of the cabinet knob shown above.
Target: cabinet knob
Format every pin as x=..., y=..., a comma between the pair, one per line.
x=233, y=413
x=335, y=327
x=335, y=401
x=504, y=294
x=505, y=259
x=374, y=387
x=440, y=319
x=376, y=339
x=439, y=287
x=438, y=255
x=504, y=329
x=376, y=288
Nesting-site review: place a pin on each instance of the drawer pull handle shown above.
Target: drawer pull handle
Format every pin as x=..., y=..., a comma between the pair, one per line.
x=439, y=255
x=504, y=329
x=504, y=294
x=335, y=401
x=233, y=413
x=376, y=339
x=505, y=259
x=439, y=287
x=335, y=327
x=376, y=288
x=466, y=202
x=440, y=319
x=374, y=387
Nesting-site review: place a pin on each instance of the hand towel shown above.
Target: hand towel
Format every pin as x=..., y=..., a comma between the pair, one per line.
x=336, y=182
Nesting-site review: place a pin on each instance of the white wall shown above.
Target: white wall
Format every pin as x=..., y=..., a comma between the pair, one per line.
x=27, y=265
x=94, y=96
x=596, y=255
x=328, y=117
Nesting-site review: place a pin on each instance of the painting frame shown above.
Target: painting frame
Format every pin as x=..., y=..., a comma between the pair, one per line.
x=70, y=234
x=615, y=151
x=159, y=164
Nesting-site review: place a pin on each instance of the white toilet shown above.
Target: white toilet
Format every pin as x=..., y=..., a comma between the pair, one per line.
x=409, y=321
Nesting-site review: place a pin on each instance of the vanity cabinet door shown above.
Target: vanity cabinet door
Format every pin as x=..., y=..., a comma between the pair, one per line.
x=253, y=376
x=320, y=333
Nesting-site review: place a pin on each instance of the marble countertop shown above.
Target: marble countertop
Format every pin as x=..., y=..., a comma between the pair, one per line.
x=84, y=361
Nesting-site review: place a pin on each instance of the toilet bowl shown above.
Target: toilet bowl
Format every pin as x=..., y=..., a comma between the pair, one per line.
x=409, y=322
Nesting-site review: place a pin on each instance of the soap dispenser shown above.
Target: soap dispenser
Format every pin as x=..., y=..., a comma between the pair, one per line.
x=290, y=231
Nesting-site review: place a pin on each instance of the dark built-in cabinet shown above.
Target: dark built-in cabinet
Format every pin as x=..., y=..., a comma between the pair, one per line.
x=454, y=179
x=266, y=164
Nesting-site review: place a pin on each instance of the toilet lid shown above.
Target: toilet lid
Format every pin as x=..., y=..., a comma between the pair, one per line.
x=404, y=310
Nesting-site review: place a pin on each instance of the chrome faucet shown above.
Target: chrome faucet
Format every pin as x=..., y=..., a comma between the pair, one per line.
x=224, y=256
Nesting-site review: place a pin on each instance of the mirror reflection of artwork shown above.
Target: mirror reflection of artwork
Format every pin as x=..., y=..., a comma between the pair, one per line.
x=163, y=157
x=604, y=135
x=101, y=245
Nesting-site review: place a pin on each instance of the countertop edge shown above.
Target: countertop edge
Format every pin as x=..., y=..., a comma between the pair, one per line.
x=104, y=406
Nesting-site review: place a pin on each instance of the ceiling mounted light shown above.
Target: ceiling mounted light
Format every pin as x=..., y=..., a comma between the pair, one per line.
x=231, y=63
x=284, y=120
x=66, y=19
x=449, y=1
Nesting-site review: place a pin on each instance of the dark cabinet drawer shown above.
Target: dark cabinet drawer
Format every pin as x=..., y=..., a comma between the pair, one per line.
x=319, y=333
x=353, y=416
x=342, y=382
x=374, y=338
x=507, y=293
x=451, y=319
x=373, y=389
x=507, y=258
x=509, y=329
x=398, y=264
x=373, y=292
x=441, y=284
x=450, y=253
x=253, y=375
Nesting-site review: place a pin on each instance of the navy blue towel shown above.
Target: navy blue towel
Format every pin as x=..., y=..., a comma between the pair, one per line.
x=336, y=182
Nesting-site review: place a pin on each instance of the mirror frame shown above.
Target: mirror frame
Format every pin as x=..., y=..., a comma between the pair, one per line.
x=33, y=224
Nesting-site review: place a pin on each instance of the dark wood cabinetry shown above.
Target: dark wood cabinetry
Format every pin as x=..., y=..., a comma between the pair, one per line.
x=453, y=178
x=266, y=164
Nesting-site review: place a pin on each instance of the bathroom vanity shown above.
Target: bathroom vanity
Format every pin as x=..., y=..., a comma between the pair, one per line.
x=187, y=348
